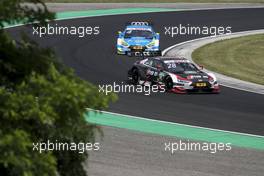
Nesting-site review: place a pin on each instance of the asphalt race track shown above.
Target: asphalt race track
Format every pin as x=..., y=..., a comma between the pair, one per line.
x=94, y=59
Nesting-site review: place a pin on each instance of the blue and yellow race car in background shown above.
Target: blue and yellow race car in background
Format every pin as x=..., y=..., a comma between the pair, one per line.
x=138, y=39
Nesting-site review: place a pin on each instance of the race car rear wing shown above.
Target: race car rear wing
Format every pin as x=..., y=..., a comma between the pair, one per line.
x=139, y=23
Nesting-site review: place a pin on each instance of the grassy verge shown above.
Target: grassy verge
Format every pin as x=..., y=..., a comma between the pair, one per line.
x=159, y=1
x=241, y=58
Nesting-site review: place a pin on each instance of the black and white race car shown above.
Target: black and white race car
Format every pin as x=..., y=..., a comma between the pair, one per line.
x=178, y=75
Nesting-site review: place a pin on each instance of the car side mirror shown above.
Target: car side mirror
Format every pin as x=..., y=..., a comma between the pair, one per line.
x=160, y=68
x=201, y=67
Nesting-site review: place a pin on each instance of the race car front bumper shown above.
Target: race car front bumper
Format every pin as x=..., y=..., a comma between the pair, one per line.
x=182, y=90
x=138, y=51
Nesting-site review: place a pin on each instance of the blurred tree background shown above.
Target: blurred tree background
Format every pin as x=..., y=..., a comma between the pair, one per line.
x=40, y=100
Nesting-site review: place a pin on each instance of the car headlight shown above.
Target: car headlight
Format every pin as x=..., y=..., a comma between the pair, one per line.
x=153, y=43
x=122, y=42
x=211, y=79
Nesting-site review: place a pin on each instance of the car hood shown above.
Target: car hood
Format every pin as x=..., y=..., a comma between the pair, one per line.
x=138, y=41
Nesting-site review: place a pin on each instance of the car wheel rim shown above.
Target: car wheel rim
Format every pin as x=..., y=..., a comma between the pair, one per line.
x=169, y=84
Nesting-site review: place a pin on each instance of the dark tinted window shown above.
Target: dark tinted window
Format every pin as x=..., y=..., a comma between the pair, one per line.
x=157, y=63
x=149, y=62
x=138, y=33
x=180, y=67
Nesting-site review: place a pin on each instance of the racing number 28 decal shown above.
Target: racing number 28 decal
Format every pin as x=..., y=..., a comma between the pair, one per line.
x=171, y=65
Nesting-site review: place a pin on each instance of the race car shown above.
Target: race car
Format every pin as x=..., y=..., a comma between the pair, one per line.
x=138, y=39
x=178, y=75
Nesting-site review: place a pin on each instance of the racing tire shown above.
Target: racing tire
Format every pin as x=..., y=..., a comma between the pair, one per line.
x=168, y=83
x=135, y=76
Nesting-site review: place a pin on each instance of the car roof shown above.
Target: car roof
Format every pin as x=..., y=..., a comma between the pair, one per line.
x=165, y=58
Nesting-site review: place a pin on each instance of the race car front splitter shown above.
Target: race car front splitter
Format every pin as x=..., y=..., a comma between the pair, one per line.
x=143, y=53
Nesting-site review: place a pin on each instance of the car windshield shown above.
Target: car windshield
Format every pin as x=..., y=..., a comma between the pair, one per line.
x=138, y=33
x=180, y=67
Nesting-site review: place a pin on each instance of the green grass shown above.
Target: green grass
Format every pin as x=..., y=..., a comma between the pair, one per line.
x=241, y=58
x=159, y=1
